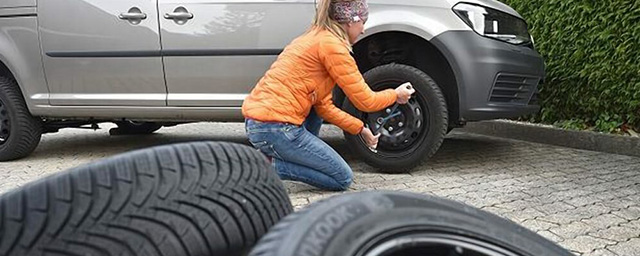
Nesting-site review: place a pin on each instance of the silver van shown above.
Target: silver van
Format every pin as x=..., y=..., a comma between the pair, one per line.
x=144, y=64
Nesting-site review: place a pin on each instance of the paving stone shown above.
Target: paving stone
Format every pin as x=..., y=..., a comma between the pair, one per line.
x=538, y=225
x=420, y=183
x=573, y=229
x=403, y=177
x=585, y=244
x=299, y=202
x=391, y=187
x=631, y=213
x=604, y=221
x=627, y=248
x=601, y=252
x=617, y=233
x=554, y=207
x=515, y=205
x=632, y=224
x=523, y=215
x=582, y=201
x=446, y=192
x=551, y=236
x=619, y=203
x=367, y=179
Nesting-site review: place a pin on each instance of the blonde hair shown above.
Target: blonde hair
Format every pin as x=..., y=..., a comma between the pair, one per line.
x=324, y=21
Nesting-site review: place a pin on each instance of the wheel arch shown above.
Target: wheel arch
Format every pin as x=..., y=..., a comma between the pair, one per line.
x=406, y=47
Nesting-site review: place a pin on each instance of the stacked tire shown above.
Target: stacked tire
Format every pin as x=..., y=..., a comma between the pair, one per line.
x=382, y=223
x=192, y=199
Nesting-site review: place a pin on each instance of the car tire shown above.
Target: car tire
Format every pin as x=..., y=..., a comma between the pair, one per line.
x=135, y=128
x=199, y=198
x=425, y=120
x=20, y=132
x=379, y=223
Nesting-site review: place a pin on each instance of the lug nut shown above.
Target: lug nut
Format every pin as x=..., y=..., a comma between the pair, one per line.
x=388, y=111
x=390, y=129
x=400, y=124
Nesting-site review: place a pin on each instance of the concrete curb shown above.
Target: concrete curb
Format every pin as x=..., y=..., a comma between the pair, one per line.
x=623, y=145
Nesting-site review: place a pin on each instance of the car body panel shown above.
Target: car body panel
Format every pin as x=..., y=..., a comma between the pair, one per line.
x=17, y=3
x=423, y=21
x=92, y=57
x=216, y=57
x=20, y=50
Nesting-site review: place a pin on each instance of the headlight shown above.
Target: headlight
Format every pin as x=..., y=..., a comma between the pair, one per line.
x=493, y=23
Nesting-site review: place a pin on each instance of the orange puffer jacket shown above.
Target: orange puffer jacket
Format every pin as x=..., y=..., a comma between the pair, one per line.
x=304, y=75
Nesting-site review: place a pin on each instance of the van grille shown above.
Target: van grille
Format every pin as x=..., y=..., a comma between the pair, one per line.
x=514, y=89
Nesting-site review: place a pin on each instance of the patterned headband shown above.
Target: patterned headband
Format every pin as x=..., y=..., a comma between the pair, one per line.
x=348, y=11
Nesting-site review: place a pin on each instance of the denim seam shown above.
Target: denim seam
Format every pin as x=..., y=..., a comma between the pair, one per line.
x=264, y=130
x=275, y=152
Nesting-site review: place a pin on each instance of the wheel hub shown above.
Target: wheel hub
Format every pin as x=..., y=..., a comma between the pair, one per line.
x=401, y=131
x=5, y=124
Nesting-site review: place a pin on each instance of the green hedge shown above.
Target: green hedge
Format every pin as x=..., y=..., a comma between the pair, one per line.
x=592, y=56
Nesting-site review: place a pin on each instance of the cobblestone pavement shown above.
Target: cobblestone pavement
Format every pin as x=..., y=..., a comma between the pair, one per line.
x=588, y=202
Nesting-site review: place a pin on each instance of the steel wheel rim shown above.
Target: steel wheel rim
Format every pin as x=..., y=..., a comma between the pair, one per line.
x=435, y=244
x=407, y=130
x=5, y=123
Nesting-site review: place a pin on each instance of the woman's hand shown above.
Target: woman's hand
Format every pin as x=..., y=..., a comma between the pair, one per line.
x=404, y=92
x=368, y=137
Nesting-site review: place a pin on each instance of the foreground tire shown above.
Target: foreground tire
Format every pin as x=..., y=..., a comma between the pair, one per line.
x=185, y=199
x=135, y=128
x=412, y=137
x=399, y=224
x=20, y=132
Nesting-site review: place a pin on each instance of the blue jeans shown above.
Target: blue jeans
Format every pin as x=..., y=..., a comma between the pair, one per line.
x=298, y=154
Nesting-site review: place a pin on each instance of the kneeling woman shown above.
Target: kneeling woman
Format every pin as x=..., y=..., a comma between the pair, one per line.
x=286, y=108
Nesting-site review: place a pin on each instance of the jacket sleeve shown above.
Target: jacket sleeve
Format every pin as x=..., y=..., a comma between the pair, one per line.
x=343, y=70
x=325, y=109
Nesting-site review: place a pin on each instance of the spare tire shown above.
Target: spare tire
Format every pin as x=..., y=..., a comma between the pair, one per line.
x=186, y=199
x=399, y=224
x=412, y=137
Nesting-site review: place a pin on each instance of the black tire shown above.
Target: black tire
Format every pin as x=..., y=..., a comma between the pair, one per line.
x=20, y=132
x=135, y=128
x=192, y=199
x=399, y=224
x=423, y=131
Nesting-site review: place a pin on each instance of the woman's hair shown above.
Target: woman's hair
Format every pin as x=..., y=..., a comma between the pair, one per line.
x=323, y=20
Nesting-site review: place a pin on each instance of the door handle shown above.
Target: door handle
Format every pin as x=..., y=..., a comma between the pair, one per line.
x=134, y=15
x=180, y=15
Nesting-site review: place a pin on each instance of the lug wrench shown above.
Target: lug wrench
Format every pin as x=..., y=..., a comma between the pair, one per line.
x=381, y=121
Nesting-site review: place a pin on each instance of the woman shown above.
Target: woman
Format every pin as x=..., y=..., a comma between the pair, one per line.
x=284, y=111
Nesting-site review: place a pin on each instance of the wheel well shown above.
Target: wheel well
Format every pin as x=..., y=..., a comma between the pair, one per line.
x=404, y=48
x=4, y=71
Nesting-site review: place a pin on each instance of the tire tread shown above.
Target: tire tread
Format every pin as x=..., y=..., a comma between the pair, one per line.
x=28, y=129
x=167, y=200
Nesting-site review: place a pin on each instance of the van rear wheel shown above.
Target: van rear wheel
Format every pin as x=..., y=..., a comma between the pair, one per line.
x=20, y=132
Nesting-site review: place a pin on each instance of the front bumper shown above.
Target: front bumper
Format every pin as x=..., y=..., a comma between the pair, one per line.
x=495, y=79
